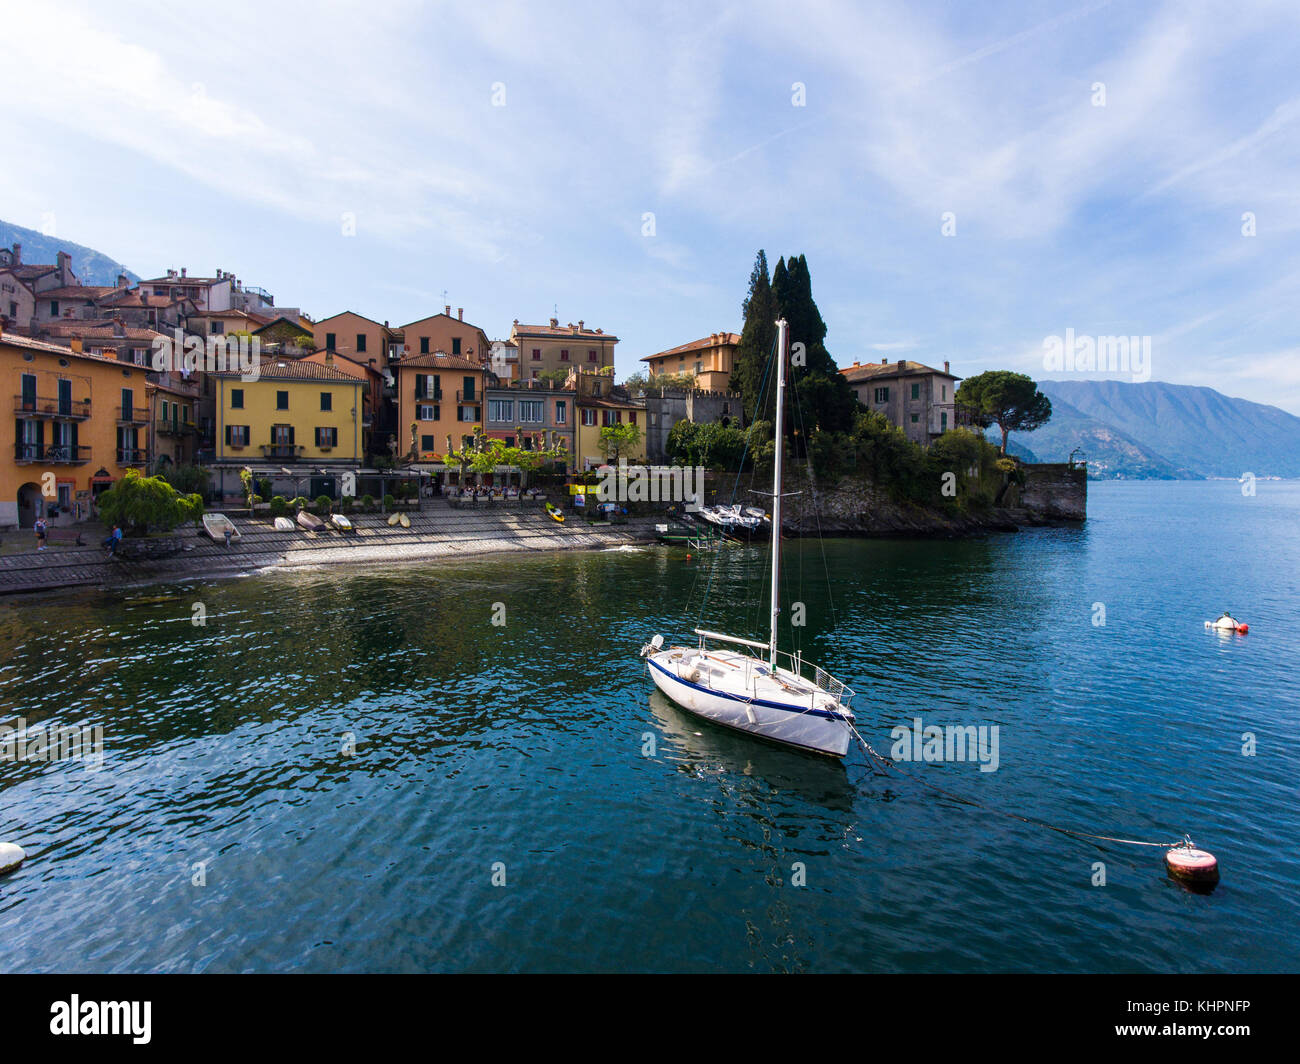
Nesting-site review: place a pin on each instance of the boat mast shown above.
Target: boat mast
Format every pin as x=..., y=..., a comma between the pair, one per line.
x=776, y=478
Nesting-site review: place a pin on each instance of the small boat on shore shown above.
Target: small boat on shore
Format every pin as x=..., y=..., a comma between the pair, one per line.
x=342, y=523
x=216, y=526
x=403, y=520
x=554, y=514
x=311, y=522
x=283, y=524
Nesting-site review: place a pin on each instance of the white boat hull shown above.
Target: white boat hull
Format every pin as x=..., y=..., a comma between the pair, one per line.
x=818, y=731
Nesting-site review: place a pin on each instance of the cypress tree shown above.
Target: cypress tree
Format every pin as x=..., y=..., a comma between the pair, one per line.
x=825, y=397
x=756, y=339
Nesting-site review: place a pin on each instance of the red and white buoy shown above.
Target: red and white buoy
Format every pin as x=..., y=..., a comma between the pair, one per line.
x=1190, y=865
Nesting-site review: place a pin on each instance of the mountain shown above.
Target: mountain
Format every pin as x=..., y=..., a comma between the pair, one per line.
x=1160, y=430
x=93, y=267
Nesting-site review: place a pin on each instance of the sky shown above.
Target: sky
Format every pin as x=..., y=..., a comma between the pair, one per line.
x=967, y=181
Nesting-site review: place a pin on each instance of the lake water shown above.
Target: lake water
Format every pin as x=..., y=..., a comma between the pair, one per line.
x=229, y=828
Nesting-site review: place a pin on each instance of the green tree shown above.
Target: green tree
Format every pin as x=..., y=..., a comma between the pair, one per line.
x=825, y=398
x=1009, y=400
x=757, y=336
x=617, y=440
x=140, y=503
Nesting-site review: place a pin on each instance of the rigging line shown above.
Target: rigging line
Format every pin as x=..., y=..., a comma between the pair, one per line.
x=888, y=765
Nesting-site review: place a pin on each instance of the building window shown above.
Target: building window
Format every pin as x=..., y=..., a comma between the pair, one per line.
x=326, y=401
x=361, y=343
x=608, y=418
x=237, y=435
x=591, y=356
x=882, y=395
x=501, y=409
x=327, y=437
x=455, y=345
x=916, y=391
x=236, y=398
x=468, y=413
x=916, y=418
x=537, y=354
x=631, y=417
x=943, y=421
x=561, y=412
x=564, y=354
x=329, y=341
x=424, y=345
x=54, y=308
x=217, y=327
x=427, y=444
x=944, y=389
x=467, y=392
x=282, y=400
x=427, y=412
x=588, y=416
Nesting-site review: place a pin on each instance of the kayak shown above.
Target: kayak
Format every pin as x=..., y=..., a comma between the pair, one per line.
x=554, y=514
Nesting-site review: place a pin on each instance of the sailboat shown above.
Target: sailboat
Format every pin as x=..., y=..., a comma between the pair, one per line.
x=773, y=695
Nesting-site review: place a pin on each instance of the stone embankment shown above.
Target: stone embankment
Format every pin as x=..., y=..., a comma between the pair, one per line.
x=436, y=532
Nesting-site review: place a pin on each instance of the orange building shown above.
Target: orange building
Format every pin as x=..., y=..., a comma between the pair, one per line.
x=709, y=360
x=80, y=421
x=439, y=397
x=443, y=333
x=358, y=338
x=544, y=348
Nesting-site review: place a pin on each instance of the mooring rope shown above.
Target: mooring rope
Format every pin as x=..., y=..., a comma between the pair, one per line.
x=1185, y=841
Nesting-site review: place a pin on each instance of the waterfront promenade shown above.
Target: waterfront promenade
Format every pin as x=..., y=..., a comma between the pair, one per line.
x=437, y=531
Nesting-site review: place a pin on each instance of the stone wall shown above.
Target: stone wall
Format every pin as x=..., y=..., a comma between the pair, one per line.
x=1055, y=491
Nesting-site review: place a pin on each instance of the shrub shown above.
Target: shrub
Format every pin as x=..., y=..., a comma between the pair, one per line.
x=322, y=504
x=389, y=502
x=188, y=479
x=346, y=504
x=367, y=502
x=139, y=503
x=279, y=506
x=300, y=503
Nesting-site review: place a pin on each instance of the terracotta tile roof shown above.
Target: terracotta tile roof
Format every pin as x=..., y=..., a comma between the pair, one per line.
x=134, y=297
x=566, y=332
x=290, y=369
x=437, y=360
x=26, y=272
x=88, y=292
x=902, y=368
x=98, y=330
x=716, y=340
x=27, y=343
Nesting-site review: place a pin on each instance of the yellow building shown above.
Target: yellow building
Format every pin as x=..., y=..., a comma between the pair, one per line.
x=603, y=404
x=295, y=413
x=80, y=421
x=547, y=348
x=709, y=360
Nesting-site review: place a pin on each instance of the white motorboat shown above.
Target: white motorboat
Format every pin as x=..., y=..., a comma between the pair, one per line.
x=766, y=694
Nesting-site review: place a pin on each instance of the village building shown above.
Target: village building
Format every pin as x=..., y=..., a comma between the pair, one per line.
x=548, y=348
x=917, y=398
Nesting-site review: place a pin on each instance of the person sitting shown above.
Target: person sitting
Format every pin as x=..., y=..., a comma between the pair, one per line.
x=114, y=540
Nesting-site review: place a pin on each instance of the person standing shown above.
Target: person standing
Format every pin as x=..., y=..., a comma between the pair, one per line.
x=40, y=533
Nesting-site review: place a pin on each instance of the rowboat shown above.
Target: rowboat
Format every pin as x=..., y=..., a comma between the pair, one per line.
x=341, y=523
x=216, y=526
x=283, y=524
x=311, y=522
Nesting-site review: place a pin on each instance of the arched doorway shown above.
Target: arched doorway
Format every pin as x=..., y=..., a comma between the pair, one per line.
x=29, y=504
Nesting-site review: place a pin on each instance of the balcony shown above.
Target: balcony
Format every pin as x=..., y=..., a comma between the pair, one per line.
x=282, y=450
x=175, y=428
x=132, y=415
x=436, y=397
x=50, y=454
x=473, y=396
x=131, y=456
x=47, y=406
